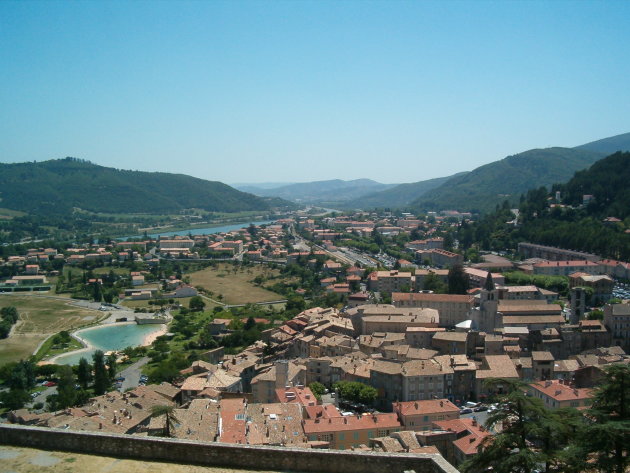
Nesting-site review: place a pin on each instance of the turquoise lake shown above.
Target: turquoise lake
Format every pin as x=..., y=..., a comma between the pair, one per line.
x=108, y=337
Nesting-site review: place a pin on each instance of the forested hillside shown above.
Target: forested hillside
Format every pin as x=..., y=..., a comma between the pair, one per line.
x=58, y=186
x=481, y=189
x=567, y=224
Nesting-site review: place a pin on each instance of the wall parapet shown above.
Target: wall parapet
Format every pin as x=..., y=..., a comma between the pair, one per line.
x=251, y=457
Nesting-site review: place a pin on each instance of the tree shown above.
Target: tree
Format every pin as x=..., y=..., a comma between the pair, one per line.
x=605, y=444
x=457, y=280
x=84, y=373
x=251, y=323
x=295, y=303
x=432, y=282
x=169, y=417
x=22, y=376
x=14, y=398
x=317, y=389
x=97, y=293
x=66, y=391
x=356, y=392
x=101, y=378
x=530, y=435
x=196, y=304
x=112, y=359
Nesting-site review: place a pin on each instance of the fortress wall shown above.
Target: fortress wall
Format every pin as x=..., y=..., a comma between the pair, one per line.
x=220, y=454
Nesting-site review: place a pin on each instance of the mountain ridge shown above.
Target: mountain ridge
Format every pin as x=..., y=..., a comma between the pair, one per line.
x=316, y=191
x=58, y=186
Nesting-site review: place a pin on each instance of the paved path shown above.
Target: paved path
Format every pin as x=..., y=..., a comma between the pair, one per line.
x=132, y=374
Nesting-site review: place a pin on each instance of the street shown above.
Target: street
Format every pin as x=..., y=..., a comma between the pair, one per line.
x=132, y=374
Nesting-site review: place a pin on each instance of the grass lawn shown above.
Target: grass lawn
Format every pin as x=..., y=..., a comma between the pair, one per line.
x=236, y=288
x=40, y=317
x=104, y=270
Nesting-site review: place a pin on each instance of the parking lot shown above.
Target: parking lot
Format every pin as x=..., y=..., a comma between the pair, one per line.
x=621, y=291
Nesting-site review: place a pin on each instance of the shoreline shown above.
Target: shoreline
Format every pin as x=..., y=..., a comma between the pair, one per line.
x=188, y=228
x=87, y=346
x=150, y=338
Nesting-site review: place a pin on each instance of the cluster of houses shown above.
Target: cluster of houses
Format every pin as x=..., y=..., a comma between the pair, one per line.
x=422, y=370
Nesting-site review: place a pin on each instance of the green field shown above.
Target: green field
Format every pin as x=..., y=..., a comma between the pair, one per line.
x=40, y=317
x=235, y=287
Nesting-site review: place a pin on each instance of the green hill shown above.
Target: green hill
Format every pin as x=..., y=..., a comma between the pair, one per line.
x=607, y=180
x=608, y=145
x=485, y=187
x=58, y=186
x=399, y=196
x=571, y=225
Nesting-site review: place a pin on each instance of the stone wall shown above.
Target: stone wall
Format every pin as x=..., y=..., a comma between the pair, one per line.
x=217, y=454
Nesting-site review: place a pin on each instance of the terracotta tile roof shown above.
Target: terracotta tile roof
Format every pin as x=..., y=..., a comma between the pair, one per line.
x=432, y=406
x=561, y=392
x=345, y=423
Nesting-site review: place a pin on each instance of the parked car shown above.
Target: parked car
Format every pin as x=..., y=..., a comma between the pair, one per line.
x=466, y=410
x=480, y=408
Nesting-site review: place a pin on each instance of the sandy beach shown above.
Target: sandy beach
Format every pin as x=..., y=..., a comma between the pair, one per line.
x=149, y=339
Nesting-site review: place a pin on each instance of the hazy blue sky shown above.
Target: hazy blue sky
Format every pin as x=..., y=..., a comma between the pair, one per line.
x=297, y=90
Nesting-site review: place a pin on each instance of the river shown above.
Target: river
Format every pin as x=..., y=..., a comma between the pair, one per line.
x=202, y=231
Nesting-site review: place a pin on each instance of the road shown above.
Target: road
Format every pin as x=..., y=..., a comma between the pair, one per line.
x=132, y=374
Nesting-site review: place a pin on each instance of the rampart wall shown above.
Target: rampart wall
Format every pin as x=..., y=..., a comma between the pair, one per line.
x=246, y=457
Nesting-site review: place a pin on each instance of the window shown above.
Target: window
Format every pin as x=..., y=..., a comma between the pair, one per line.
x=355, y=436
x=342, y=436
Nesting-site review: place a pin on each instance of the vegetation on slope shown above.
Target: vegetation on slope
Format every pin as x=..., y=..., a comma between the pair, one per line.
x=399, y=196
x=570, y=225
x=58, y=186
x=483, y=188
x=609, y=145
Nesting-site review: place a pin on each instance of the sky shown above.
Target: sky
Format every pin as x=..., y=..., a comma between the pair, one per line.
x=295, y=91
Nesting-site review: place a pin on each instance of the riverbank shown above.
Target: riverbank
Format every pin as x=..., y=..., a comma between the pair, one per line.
x=200, y=229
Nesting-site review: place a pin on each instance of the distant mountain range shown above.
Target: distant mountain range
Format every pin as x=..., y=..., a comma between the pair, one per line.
x=319, y=192
x=59, y=186
x=398, y=196
x=478, y=190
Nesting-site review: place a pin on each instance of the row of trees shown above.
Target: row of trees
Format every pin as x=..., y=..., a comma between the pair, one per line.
x=9, y=316
x=76, y=385
x=534, y=438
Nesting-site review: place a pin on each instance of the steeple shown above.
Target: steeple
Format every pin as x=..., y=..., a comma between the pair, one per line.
x=489, y=285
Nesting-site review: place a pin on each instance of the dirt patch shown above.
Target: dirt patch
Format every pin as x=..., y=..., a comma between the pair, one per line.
x=236, y=287
x=28, y=460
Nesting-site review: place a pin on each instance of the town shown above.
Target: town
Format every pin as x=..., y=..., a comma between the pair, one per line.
x=383, y=334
